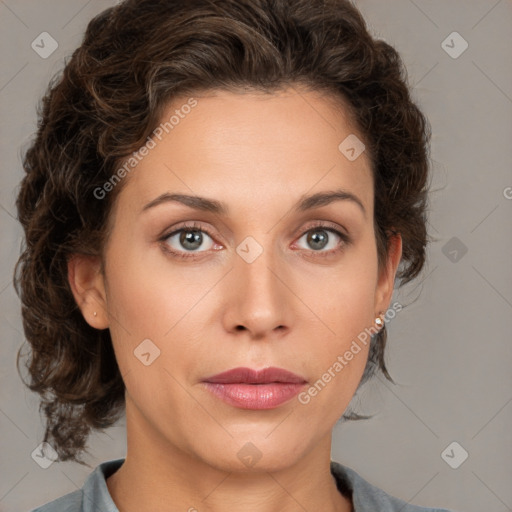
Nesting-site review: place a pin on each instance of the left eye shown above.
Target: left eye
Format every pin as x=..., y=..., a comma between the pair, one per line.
x=318, y=238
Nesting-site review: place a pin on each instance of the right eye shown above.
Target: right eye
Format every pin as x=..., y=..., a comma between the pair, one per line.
x=186, y=241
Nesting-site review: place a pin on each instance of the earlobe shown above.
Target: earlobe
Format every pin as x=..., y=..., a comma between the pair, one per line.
x=387, y=275
x=87, y=285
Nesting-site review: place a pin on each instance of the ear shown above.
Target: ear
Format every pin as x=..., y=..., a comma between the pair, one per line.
x=87, y=284
x=387, y=273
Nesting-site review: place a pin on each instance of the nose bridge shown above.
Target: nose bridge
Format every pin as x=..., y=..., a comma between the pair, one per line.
x=260, y=301
x=256, y=265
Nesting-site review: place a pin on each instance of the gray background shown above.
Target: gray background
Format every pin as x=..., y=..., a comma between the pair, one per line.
x=449, y=351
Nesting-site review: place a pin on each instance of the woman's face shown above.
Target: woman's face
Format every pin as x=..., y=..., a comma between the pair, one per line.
x=263, y=282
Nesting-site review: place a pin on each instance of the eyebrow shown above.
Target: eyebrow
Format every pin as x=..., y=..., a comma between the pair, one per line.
x=213, y=206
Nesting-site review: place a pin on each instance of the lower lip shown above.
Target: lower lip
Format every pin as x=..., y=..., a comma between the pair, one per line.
x=255, y=396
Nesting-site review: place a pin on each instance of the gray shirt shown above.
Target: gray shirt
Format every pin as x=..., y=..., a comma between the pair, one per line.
x=94, y=495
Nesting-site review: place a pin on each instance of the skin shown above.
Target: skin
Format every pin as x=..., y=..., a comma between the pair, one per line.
x=291, y=308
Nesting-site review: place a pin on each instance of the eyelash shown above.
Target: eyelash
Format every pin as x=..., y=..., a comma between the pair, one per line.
x=346, y=240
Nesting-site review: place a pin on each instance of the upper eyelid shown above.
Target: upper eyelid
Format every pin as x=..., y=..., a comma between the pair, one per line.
x=191, y=225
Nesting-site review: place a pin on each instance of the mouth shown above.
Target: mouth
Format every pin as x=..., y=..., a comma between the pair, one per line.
x=246, y=388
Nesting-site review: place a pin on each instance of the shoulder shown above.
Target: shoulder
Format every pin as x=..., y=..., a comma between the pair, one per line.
x=94, y=489
x=367, y=497
x=71, y=502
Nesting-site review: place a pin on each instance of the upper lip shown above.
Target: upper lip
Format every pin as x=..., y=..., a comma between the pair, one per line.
x=244, y=375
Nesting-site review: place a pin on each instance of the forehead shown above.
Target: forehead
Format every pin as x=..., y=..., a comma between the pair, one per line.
x=251, y=149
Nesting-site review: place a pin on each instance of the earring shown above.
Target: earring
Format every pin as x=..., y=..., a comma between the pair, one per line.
x=95, y=314
x=379, y=320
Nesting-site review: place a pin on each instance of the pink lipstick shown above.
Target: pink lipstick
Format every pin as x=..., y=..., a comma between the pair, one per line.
x=246, y=388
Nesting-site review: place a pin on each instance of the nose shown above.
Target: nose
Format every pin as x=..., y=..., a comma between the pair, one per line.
x=259, y=301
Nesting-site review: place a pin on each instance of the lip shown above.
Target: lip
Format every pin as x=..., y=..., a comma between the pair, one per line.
x=246, y=388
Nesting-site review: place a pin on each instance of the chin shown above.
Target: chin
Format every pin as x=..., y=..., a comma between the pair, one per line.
x=255, y=453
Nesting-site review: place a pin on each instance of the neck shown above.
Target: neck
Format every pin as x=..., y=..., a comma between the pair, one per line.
x=158, y=475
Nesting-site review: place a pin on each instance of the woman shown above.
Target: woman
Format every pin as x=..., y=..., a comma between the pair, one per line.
x=216, y=207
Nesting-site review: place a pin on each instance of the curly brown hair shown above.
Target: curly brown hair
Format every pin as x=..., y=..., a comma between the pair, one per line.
x=135, y=58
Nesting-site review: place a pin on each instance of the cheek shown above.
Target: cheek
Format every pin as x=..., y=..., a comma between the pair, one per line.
x=142, y=295
x=343, y=347
x=344, y=296
x=337, y=359
x=134, y=305
x=151, y=299
x=345, y=305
